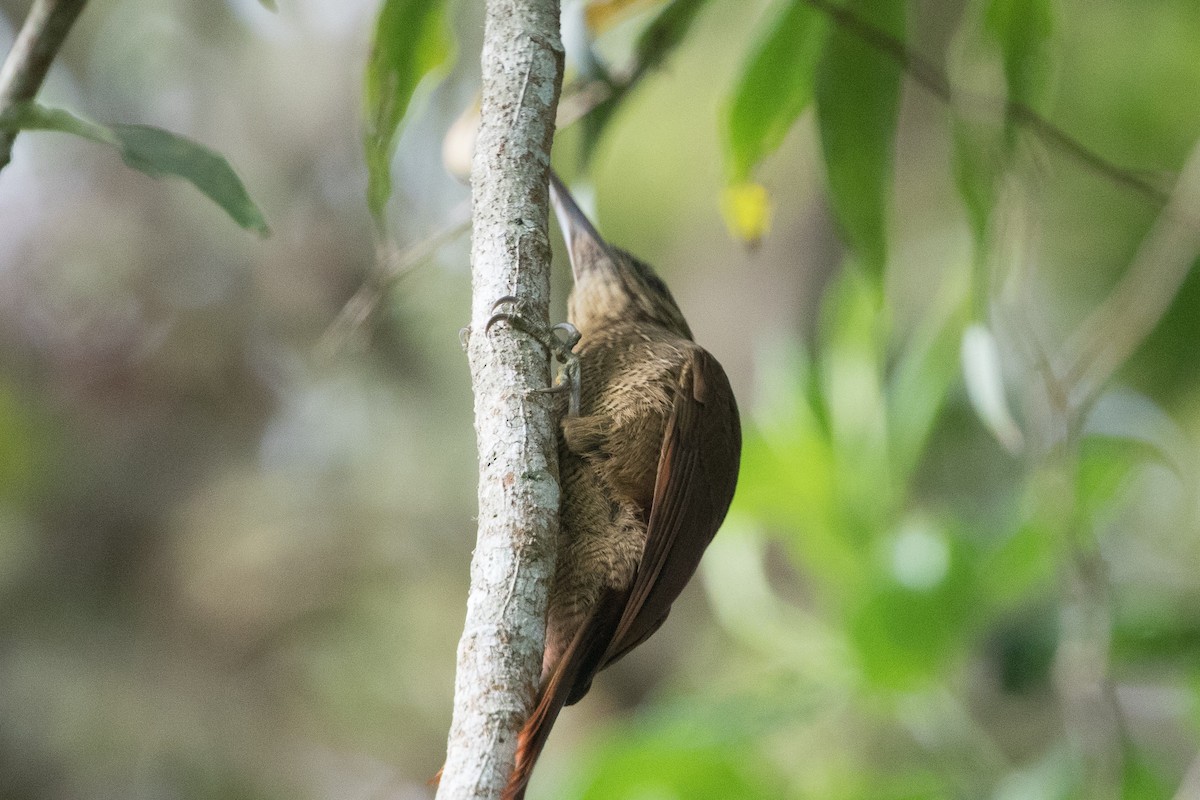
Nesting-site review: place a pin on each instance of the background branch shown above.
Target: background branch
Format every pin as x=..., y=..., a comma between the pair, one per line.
x=499, y=655
x=45, y=29
x=926, y=74
x=391, y=265
x=1113, y=332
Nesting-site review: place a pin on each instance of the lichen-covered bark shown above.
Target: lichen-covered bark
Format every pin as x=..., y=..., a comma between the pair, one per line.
x=499, y=655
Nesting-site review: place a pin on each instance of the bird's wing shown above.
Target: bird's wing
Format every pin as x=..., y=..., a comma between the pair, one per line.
x=697, y=473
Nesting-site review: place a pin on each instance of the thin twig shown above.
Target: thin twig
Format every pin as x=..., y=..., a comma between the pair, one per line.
x=396, y=265
x=391, y=267
x=1114, y=330
x=25, y=68
x=1189, y=789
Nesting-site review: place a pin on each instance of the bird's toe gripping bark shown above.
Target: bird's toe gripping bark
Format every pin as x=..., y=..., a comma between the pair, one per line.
x=561, y=348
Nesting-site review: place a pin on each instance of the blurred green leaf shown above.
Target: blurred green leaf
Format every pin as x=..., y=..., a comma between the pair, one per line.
x=978, y=160
x=917, y=388
x=1158, y=632
x=1023, y=29
x=775, y=85
x=1134, y=418
x=1163, y=364
x=857, y=94
x=786, y=479
x=737, y=571
x=665, y=32
x=155, y=152
x=1105, y=465
x=1141, y=781
x=659, y=39
x=1024, y=562
x=1018, y=34
x=853, y=330
x=920, y=605
x=20, y=448
x=698, y=747
x=409, y=43
x=270, y=5
x=644, y=769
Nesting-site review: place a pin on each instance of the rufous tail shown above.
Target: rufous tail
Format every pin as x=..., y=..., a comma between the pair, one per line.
x=566, y=683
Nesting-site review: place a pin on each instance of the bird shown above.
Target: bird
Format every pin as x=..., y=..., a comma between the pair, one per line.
x=648, y=449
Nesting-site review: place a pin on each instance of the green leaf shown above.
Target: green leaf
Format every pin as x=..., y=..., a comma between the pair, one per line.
x=787, y=480
x=659, y=39
x=775, y=86
x=665, y=32
x=1141, y=780
x=651, y=769
x=410, y=42
x=978, y=156
x=1023, y=645
x=1154, y=629
x=857, y=94
x=23, y=446
x=1017, y=34
x=853, y=334
x=1023, y=562
x=269, y=5
x=155, y=152
x=700, y=747
x=918, y=387
x=919, y=608
x=1022, y=28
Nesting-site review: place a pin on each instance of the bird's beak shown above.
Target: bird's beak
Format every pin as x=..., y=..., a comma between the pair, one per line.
x=585, y=248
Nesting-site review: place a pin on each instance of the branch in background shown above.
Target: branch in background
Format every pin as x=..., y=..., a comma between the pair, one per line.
x=1139, y=301
x=390, y=267
x=1190, y=788
x=586, y=97
x=25, y=68
x=500, y=653
x=1083, y=659
x=1114, y=330
x=928, y=75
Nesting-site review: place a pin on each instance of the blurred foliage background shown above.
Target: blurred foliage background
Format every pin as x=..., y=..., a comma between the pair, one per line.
x=963, y=560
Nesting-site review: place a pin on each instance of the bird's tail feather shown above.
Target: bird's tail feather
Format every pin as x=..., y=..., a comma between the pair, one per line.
x=574, y=670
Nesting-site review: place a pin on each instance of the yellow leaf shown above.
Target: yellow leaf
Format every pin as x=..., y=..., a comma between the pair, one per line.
x=747, y=209
x=604, y=14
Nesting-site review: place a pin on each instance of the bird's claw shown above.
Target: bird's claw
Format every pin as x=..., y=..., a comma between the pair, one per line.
x=560, y=348
x=512, y=318
x=568, y=381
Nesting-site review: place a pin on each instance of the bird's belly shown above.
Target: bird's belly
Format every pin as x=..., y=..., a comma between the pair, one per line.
x=600, y=543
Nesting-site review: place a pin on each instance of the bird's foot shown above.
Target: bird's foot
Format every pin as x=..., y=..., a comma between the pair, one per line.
x=559, y=347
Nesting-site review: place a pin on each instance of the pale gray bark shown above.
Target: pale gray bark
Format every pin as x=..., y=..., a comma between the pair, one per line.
x=499, y=655
x=26, y=65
